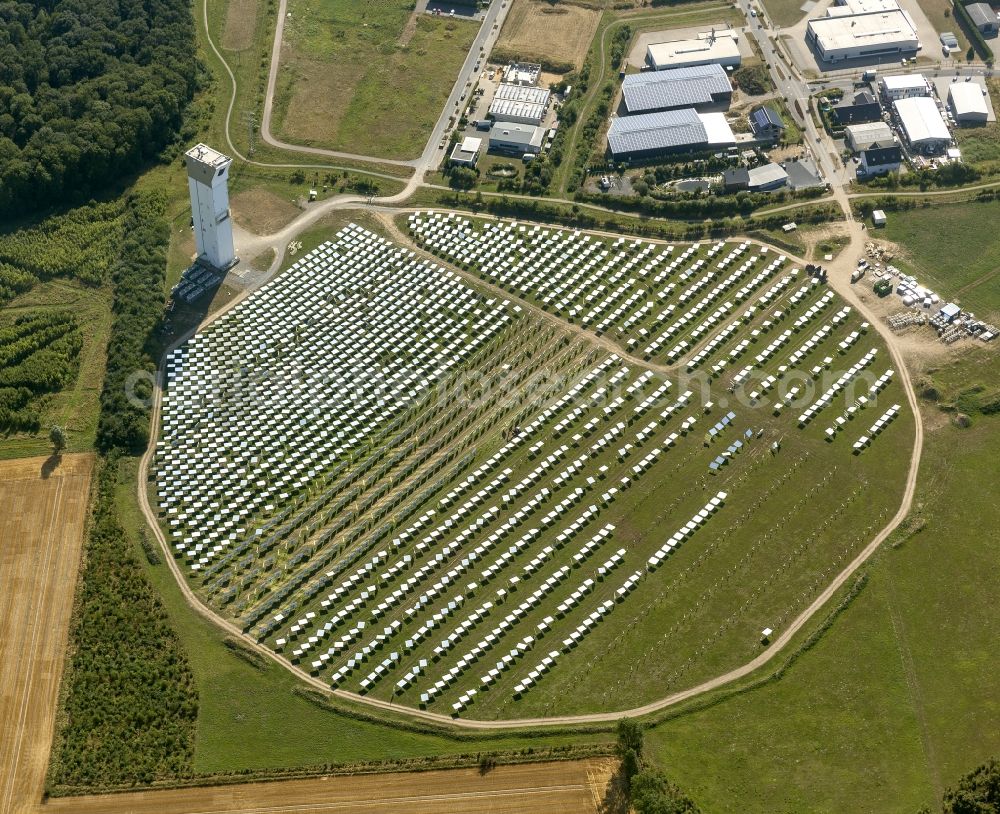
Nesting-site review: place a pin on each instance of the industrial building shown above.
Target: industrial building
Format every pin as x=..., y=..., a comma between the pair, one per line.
x=719, y=47
x=208, y=185
x=466, y=152
x=516, y=139
x=849, y=7
x=881, y=160
x=652, y=135
x=983, y=17
x=967, y=101
x=697, y=86
x=766, y=177
x=862, y=136
x=863, y=107
x=522, y=73
x=522, y=104
x=904, y=86
x=922, y=124
x=840, y=36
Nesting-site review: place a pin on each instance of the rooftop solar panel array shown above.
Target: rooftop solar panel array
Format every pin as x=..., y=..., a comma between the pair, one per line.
x=657, y=131
x=678, y=87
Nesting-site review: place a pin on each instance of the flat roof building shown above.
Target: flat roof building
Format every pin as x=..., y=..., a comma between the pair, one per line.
x=524, y=104
x=522, y=73
x=848, y=7
x=862, y=136
x=967, y=101
x=903, y=86
x=922, y=124
x=719, y=47
x=697, y=86
x=466, y=152
x=767, y=176
x=861, y=36
x=878, y=217
x=649, y=135
x=516, y=139
x=983, y=17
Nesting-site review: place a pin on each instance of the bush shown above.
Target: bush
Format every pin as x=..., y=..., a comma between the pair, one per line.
x=753, y=79
x=653, y=793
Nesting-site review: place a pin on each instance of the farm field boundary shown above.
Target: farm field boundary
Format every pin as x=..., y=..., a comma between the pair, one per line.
x=559, y=788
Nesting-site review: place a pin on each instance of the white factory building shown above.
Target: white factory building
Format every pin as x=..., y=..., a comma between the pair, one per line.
x=903, y=86
x=851, y=32
x=967, y=101
x=862, y=136
x=522, y=104
x=516, y=139
x=922, y=124
x=716, y=46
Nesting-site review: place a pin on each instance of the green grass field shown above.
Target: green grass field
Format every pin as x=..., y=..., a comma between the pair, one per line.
x=946, y=247
x=784, y=12
x=981, y=145
x=900, y=696
x=352, y=80
x=243, y=30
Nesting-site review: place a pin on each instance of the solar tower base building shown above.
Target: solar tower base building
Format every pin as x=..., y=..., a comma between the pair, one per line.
x=208, y=182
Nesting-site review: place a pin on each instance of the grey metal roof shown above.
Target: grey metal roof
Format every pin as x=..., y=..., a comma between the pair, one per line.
x=767, y=174
x=677, y=87
x=981, y=14
x=657, y=131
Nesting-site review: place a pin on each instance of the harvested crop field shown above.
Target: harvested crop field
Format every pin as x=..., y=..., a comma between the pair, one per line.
x=556, y=35
x=41, y=530
x=558, y=788
x=241, y=20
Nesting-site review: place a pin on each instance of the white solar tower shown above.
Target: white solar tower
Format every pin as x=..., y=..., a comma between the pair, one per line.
x=208, y=181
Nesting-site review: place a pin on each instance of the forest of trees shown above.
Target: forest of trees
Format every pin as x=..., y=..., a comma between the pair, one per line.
x=89, y=89
x=137, y=278
x=130, y=705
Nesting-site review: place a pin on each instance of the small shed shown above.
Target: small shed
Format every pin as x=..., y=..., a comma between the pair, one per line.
x=950, y=311
x=878, y=217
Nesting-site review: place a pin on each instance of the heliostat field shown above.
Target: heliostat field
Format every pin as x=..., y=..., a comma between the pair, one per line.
x=570, y=473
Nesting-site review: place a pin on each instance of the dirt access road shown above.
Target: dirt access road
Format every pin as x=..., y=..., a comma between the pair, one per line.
x=575, y=787
x=44, y=508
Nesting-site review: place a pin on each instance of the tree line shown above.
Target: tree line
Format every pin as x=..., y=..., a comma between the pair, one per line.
x=90, y=90
x=130, y=703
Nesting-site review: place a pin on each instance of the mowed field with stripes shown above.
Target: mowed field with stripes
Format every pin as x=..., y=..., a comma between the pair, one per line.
x=44, y=509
